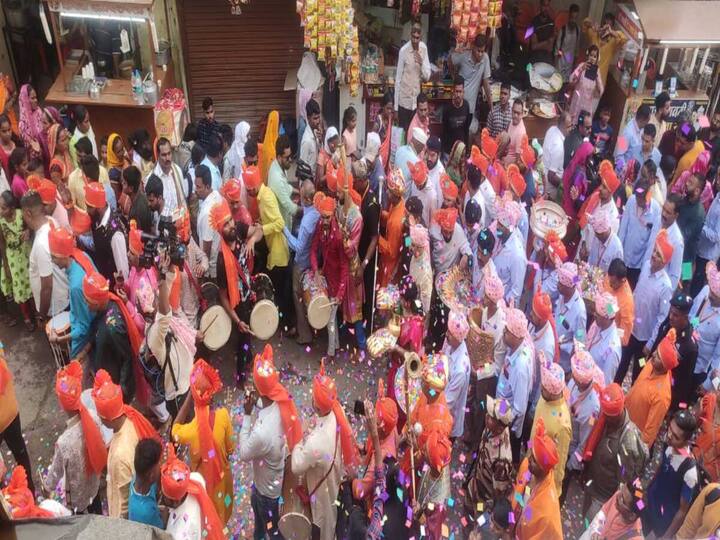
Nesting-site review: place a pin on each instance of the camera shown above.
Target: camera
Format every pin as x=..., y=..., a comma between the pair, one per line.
x=165, y=242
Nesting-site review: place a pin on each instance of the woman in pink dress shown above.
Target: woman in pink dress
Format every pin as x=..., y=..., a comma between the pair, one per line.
x=588, y=85
x=30, y=123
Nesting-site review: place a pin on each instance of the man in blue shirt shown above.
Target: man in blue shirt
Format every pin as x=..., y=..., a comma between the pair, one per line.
x=633, y=135
x=300, y=244
x=647, y=148
x=640, y=222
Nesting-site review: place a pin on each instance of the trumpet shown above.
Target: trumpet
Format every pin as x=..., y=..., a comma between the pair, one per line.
x=413, y=366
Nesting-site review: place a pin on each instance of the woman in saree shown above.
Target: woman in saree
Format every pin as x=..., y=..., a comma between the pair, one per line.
x=30, y=124
x=575, y=189
x=8, y=97
x=455, y=167
x=326, y=161
x=59, y=146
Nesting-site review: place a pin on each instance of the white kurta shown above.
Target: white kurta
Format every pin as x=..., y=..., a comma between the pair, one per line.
x=313, y=458
x=457, y=386
x=186, y=521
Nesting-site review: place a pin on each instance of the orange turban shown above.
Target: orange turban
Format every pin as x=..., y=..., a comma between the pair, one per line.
x=386, y=412
x=438, y=450
x=608, y=176
x=182, y=225
x=45, y=188
x=109, y=404
x=68, y=387
x=135, y=238
x=95, y=288
x=20, y=499
x=556, y=246
x=252, y=177
x=667, y=350
x=448, y=187
x=267, y=381
x=219, y=215
x=418, y=172
x=542, y=305
x=325, y=399
x=479, y=160
x=489, y=145
x=95, y=195
x=544, y=449
x=331, y=176
x=231, y=190
x=61, y=241
x=57, y=165
x=527, y=154
x=446, y=218
x=612, y=403
x=80, y=221
x=516, y=180
x=175, y=482
x=324, y=204
x=663, y=245
x=204, y=384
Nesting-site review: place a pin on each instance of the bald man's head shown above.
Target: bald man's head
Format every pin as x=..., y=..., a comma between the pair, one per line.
x=307, y=192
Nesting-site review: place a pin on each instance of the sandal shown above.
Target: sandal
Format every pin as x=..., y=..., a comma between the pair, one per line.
x=29, y=325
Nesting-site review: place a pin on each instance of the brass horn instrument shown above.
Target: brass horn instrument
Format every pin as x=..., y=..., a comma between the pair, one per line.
x=413, y=365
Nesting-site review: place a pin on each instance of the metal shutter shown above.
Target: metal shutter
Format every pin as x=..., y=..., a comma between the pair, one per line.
x=241, y=60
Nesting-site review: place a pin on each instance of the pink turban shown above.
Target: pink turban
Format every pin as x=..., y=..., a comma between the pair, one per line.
x=600, y=221
x=606, y=305
x=494, y=288
x=508, y=213
x=419, y=236
x=713, y=277
x=552, y=376
x=583, y=366
x=458, y=325
x=567, y=274
x=516, y=322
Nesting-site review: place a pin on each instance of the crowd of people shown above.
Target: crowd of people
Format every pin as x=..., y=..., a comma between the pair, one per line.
x=526, y=374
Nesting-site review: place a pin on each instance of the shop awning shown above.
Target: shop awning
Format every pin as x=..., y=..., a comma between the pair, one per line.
x=678, y=22
x=99, y=8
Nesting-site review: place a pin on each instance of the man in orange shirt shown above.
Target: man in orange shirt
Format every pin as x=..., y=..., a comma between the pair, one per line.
x=648, y=401
x=616, y=283
x=538, y=516
x=391, y=242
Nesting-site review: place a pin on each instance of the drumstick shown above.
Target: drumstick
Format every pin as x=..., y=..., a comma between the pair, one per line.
x=412, y=449
x=329, y=304
x=211, y=323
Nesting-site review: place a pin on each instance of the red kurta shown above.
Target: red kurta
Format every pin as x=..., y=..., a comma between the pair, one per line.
x=335, y=266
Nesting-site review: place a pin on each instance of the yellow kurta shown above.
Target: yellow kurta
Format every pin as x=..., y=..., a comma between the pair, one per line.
x=76, y=185
x=687, y=160
x=188, y=434
x=558, y=426
x=607, y=48
x=120, y=469
x=272, y=227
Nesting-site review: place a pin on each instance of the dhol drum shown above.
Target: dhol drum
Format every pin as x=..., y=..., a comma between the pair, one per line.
x=60, y=324
x=295, y=521
x=215, y=323
x=316, y=300
x=481, y=344
x=264, y=318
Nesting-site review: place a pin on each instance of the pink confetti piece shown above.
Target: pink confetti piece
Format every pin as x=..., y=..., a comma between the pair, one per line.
x=529, y=32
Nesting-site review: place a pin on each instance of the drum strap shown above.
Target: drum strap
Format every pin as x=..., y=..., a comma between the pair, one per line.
x=196, y=286
x=322, y=480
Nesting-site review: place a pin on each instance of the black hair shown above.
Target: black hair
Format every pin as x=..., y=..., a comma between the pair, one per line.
x=17, y=156
x=486, y=241
x=518, y=101
x=474, y=176
x=650, y=130
x=154, y=186
x=348, y=115
x=138, y=140
x=388, y=97
x=203, y=173
x=90, y=167
x=31, y=200
x=605, y=108
x=661, y=99
x=227, y=134
x=608, y=18
x=103, y=140
x=581, y=117
x=473, y=212
x=686, y=421
x=414, y=206
x=214, y=146
x=480, y=40
x=574, y=8
x=676, y=199
x=4, y=118
x=459, y=81
x=190, y=133
x=668, y=164
x=643, y=112
x=197, y=154
x=77, y=115
x=592, y=48
x=617, y=268
x=505, y=86
x=688, y=132
x=207, y=103
x=34, y=164
x=132, y=177
x=409, y=292
x=147, y=455
x=422, y=97
x=650, y=167
x=9, y=199
x=251, y=147
x=312, y=108
x=84, y=145
x=162, y=141
x=281, y=144
x=501, y=513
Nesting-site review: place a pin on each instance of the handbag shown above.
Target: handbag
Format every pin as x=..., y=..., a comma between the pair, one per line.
x=302, y=491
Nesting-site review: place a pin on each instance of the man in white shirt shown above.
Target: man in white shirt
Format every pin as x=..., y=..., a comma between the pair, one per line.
x=553, y=154
x=456, y=349
x=435, y=167
x=604, y=245
x=174, y=190
x=49, y=283
x=423, y=190
x=669, y=223
x=213, y=158
x=475, y=191
x=208, y=238
x=410, y=153
x=510, y=258
x=309, y=145
x=413, y=67
x=474, y=67
x=603, y=340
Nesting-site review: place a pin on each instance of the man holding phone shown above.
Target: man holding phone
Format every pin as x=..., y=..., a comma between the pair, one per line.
x=413, y=67
x=606, y=39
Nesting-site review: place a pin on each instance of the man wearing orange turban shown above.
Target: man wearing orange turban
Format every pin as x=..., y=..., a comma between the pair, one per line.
x=185, y=294
x=80, y=454
x=538, y=516
x=129, y=426
x=648, y=400
x=21, y=499
x=193, y=515
x=209, y=435
x=423, y=189
x=108, y=234
x=517, y=189
x=434, y=486
x=390, y=244
x=601, y=201
x=543, y=334
x=53, y=206
x=330, y=445
x=651, y=297
x=614, y=451
x=266, y=442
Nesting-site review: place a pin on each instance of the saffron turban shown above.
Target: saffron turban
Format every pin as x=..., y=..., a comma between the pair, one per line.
x=45, y=188
x=204, y=384
x=135, y=241
x=438, y=450
x=448, y=188
x=220, y=214
x=80, y=221
x=386, y=412
x=446, y=218
x=612, y=400
x=395, y=182
x=252, y=177
x=61, y=242
x=608, y=176
x=667, y=351
x=542, y=306
x=324, y=204
x=418, y=172
x=95, y=194
x=544, y=449
x=95, y=288
x=516, y=180
x=231, y=190
x=663, y=246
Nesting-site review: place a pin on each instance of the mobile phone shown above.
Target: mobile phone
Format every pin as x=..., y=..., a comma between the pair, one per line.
x=359, y=408
x=591, y=72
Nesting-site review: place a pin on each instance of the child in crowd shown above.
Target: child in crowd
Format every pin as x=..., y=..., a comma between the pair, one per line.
x=602, y=132
x=143, y=502
x=15, y=239
x=18, y=165
x=349, y=135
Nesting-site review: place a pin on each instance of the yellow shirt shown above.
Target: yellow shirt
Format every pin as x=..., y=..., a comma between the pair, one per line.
x=120, y=469
x=272, y=226
x=189, y=435
x=703, y=519
x=8, y=403
x=607, y=48
x=687, y=160
x=558, y=426
x=76, y=185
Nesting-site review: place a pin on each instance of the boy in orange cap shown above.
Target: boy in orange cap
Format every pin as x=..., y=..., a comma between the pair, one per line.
x=108, y=235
